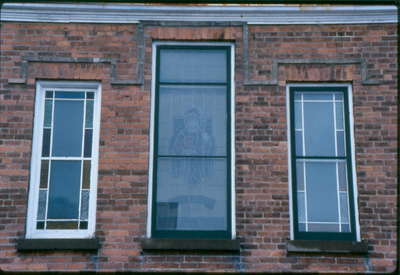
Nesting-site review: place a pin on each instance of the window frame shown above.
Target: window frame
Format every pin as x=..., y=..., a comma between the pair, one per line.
x=230, y=233
x=35, y=171
x=354, y=235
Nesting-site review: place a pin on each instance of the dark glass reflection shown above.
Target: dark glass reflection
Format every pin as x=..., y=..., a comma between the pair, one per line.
x=70, y=95
x=44, y=173
x=88, y=143
x=49, y=94
x=64, y=189
x=86, y=174
x=90, y=95
x=62, y=225
x=46, y=142
x=83, y=225
x=68, y=123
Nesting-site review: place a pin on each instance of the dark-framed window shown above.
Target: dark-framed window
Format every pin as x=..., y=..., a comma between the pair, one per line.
x=321, y=163
x=191, y=162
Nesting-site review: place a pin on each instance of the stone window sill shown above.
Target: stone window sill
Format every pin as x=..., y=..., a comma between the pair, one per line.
x=57, y=244
x=191, y=244
x=316, y=246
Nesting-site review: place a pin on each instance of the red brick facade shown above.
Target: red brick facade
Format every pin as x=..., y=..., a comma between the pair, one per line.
x=364, y=55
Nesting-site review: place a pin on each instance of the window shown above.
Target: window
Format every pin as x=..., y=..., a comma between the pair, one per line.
x=64, y=160
x=191, y=169
x=322, y=168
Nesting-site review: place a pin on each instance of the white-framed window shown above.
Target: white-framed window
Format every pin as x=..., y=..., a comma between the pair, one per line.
x=63, y=180
x=322, y=162
x=191, y=166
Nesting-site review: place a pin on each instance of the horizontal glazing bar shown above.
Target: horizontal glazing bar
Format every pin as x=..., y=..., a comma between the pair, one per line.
x=318, y=101
x=69, y=99
x=66, y=158
x=327, y=222
x=189, y=156
x=320, y=158
x=195, y=83
x=62, y=220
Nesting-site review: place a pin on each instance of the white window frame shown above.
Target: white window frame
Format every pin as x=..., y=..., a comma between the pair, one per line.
x=33, y=201
x=152, y=118
x=353, y=162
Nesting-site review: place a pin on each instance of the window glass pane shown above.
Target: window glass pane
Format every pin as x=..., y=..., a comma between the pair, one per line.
x=44, y=173
x=84, y=204
x=344, y=207
x=301, y=207
x=319, y=129
x=48, y=108
x=338, y=96
x=88, y=143
x=300, y=175
x=339, y=115
x=89, y=114
x=298, y=113
x=62, y=225
x=64, y=189
x=90, y=95
x=40, y=225
x=191, y=194
x=83, y=225
x=49, y=94
x=317, y=96
x=46, y=142
x=321, y=189
x=41, y=215
x=70, y=95
x=346, y=228
x=340, y=144
x=323, y=227
x=192, y=120
x=67, y=137
x=86, y=174
x=342, y=173
x=186, y=65
x=299, y=143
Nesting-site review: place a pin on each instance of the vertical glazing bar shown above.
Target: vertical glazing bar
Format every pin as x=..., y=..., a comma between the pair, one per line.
x=304, y=163
x=337, y=164
x=82, y=157
x=50, y=156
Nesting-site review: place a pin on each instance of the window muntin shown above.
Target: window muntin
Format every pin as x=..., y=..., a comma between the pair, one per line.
x=191, y=172
x=323, y=198
x=63, y=180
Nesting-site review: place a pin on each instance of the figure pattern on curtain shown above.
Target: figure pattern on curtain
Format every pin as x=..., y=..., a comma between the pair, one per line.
x=192, y=136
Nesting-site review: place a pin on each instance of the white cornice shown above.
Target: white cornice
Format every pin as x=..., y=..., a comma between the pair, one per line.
x=252, y=14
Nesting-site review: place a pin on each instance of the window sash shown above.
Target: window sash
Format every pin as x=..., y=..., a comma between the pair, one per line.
x=85, y=225
x=227, y=156
x=321, y=235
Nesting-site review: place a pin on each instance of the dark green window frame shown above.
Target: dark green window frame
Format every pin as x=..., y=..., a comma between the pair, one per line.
x=302, y=235
x=192, y=234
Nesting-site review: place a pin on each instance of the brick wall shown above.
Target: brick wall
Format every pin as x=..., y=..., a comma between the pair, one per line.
x=272, y=56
